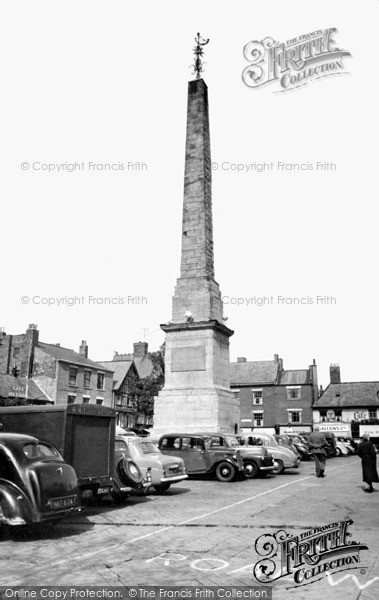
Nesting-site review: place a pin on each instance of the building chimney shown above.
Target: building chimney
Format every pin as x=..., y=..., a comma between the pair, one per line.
x=314, y=380
x=335, y=373
x=140, y=349
x=83, y=349
x=27, y=353
x=241, y=359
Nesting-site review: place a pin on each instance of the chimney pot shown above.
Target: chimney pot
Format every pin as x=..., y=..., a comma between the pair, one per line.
x=140, y=349
x=241, y=359
x=83, y=349
x=335, y=373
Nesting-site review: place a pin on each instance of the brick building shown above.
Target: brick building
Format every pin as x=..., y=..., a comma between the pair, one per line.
x=47, y=373
x=271, y=396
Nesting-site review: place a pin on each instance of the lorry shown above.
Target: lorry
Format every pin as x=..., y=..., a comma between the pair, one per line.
x=84, y=434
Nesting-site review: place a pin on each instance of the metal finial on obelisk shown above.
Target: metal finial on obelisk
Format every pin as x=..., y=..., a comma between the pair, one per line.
x=199, y=52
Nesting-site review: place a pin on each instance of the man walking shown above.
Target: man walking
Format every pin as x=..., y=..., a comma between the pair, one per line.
x=317, y=445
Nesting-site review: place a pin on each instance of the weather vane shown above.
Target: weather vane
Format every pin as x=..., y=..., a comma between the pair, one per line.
x=198, y=52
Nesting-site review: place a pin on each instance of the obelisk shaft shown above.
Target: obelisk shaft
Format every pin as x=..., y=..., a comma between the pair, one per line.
x=197, y=290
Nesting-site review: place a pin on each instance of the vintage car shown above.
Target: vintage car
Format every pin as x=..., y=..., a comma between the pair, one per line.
x=301, y=445
x=257, y=461
x=350, y=444
x=129, y=475
x=164, y=470
x=341, y=448
x=284, y=458
x=36, y=484
x=201, y=458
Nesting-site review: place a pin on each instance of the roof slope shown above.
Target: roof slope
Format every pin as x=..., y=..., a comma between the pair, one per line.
x=354, y=394
x=254, y=372
x=15, y=387
x=69, y=356
x=295, y=377
x=120, y=370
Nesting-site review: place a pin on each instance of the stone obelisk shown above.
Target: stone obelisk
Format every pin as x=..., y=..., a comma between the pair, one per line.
x=196, y=395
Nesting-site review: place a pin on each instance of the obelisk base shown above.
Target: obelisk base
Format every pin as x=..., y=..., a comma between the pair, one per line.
x=193, y=411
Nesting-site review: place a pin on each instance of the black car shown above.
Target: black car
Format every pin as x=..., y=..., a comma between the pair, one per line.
x=36, y=484
x=201, y=457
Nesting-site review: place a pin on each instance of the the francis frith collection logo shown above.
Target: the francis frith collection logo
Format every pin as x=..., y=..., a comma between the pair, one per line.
x=293, y=63
x=308, y=556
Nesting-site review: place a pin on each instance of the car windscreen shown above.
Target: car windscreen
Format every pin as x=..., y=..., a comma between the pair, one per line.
x=148, y=447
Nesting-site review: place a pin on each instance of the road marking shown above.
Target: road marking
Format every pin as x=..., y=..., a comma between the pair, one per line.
x=147, y=535
x=167, y=558
x=360, y=586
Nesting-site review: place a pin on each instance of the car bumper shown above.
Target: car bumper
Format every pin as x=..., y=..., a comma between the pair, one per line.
x=173, y=478
x=269, y=468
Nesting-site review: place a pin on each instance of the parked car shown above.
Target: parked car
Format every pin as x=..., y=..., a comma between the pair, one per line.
x=201, y=458
x=284, y=458
x=165, y=470
x=301, y=445
x=257, y=461
x=350, y=444
x=129, y=473
x=341, y=448
x=284, y=440
x=36, y=484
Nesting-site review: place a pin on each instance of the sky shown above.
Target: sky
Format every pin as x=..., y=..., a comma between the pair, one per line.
x=105, y=82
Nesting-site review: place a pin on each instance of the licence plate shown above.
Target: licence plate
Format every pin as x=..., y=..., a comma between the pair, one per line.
x=103, y=490
x=62, y=502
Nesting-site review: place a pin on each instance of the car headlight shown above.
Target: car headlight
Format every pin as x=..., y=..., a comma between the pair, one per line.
x=133, y=470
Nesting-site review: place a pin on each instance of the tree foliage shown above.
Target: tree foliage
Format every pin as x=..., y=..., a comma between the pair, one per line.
x=144, y=390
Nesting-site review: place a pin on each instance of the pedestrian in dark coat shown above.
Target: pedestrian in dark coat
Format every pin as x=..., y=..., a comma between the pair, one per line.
x=317, y=446
x=367, y=453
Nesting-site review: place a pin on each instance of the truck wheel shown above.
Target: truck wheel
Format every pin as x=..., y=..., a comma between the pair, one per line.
x=251, y=469
x=225, y=472
x=278, y=467
x=130, y=473
x=162, y=487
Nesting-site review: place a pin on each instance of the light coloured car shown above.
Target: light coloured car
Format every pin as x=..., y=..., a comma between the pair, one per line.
x=284, y=457
x=165, y=470
x=341, y=448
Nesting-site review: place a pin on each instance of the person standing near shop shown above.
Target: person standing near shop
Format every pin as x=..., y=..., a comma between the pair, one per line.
x=367, y=454
x=317, y=446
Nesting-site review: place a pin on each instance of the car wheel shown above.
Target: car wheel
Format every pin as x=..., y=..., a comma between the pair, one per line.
x=225, y=472
x=162, y=487
x=338, y=452
x=251, y=469
x=129, y=473
x=278, y=467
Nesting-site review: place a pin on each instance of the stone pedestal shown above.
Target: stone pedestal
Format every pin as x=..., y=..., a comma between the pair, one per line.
x=196, y=395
